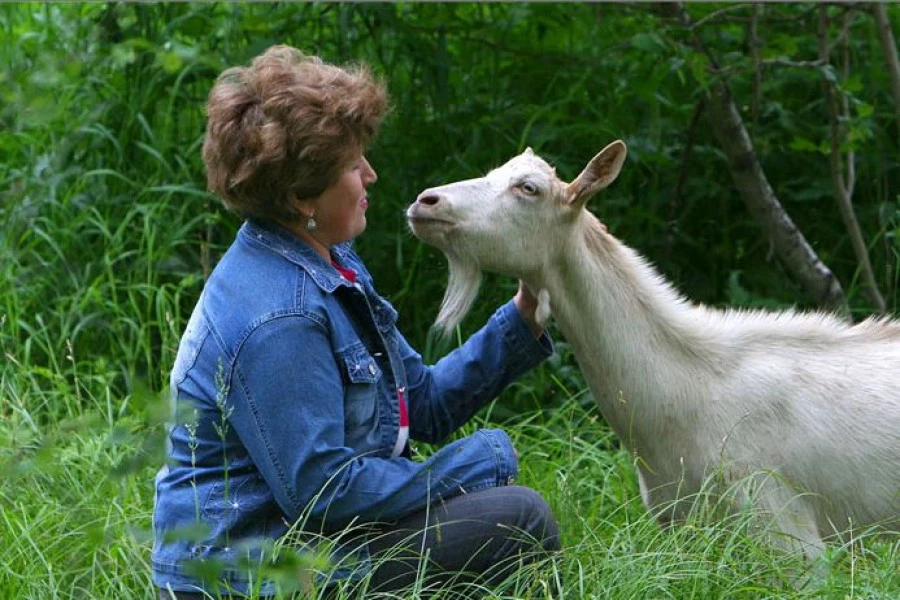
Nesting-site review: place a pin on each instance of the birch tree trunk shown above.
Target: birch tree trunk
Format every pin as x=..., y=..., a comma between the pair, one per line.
x=799, y=259
x=795, y=253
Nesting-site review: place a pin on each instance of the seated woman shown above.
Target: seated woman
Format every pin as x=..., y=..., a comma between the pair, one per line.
x=295, y=395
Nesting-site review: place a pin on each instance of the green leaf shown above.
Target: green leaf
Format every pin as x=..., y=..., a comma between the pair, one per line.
x=853, y=84
x=648, y=42
x=122, y=55
x=829, y=74
x=864, y=109
x=799, y=144
x=170, y=61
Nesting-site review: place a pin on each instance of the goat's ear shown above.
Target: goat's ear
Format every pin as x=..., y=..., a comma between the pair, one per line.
x=598, y=174
x=528, y=151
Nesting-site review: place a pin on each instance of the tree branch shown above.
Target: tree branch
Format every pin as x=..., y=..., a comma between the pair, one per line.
x=685, y=161
x=718, y=14
x=755, y=45
x=793, y=250
x=844, y=183
x=796, y=64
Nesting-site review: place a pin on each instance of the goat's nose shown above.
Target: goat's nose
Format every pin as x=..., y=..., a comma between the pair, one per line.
x=428, y=199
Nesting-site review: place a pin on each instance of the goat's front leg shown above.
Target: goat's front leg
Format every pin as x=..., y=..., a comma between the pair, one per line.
x=793, y=521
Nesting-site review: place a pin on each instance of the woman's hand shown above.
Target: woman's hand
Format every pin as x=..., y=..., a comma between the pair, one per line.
x=527, y=304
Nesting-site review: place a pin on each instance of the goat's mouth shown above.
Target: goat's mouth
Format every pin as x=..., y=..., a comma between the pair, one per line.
x=429, y=225
x=429, y=221
x=429, y=229
x=420, y=221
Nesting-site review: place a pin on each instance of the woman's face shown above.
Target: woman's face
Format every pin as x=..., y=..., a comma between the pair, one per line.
x=340, y=211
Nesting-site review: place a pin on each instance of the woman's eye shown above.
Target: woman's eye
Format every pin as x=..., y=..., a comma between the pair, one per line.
x=529, y=188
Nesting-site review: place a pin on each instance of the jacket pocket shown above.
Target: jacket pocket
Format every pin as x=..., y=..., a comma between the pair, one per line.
x=362, y=375
x=358, y=365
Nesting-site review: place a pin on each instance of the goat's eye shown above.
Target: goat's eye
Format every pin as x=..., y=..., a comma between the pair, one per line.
x=529, y=188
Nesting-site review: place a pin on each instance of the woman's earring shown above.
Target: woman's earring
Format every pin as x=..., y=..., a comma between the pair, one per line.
x=311, y=224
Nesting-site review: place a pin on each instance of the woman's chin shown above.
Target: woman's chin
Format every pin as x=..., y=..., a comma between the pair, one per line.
x=360, y=226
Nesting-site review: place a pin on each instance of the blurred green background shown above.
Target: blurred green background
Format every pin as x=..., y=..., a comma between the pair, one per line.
x=103, y=115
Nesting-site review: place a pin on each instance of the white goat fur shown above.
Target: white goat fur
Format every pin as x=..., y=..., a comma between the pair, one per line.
x=806, y=407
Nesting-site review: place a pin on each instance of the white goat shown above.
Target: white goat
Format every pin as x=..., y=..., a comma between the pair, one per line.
x=804, y=406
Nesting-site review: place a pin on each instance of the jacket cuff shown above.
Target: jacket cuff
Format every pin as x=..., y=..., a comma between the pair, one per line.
x=519, y=337
x=504, y=455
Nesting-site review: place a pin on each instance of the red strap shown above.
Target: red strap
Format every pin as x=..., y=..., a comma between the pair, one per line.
x=404, y=415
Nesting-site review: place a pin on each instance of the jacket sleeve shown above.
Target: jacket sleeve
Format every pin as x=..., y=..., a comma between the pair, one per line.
x=443, y=397
x=287, y=406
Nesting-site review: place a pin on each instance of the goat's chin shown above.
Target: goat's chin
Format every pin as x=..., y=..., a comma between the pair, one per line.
x=462, y=288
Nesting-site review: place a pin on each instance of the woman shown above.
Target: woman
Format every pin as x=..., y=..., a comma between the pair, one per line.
x=295, y=394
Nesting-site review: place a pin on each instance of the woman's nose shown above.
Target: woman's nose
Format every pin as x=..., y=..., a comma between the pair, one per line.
x=370, y=175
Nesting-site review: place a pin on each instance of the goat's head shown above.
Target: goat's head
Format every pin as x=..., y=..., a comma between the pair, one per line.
x=511, y=221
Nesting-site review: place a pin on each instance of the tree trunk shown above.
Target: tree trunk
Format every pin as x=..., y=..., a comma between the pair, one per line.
x=795, y=253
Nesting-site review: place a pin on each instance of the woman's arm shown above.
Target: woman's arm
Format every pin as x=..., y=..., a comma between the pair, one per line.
x=527, y=304
x=444, y=396
x=287, y=402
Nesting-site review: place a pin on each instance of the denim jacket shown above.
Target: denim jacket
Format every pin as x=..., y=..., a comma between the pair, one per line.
x=285, y=401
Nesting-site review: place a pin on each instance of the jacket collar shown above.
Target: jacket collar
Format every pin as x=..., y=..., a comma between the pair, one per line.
x=279, y=240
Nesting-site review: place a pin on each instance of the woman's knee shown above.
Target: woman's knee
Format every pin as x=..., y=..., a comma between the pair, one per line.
x=536, y=517
x=486, y=533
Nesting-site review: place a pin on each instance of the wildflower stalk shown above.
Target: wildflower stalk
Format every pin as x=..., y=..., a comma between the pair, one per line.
x=222, y=428
x=191, y=426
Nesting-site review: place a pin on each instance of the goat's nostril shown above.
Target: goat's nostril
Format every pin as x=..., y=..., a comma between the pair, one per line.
x=428, y=199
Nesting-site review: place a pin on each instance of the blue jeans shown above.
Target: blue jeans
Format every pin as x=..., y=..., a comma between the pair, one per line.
x=479, y=537
x=483, y=537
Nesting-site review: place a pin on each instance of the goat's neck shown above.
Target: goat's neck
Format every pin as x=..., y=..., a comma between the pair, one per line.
x=635, y=339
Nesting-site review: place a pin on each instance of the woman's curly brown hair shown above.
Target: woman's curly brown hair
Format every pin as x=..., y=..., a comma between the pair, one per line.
x=284, y=128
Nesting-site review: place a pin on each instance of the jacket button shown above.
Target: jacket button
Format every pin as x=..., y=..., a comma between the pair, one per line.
x=371, y=368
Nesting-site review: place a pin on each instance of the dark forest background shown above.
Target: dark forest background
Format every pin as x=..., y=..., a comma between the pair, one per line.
x=103, y=116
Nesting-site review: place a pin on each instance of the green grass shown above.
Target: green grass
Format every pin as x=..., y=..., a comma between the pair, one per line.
x=76, y=497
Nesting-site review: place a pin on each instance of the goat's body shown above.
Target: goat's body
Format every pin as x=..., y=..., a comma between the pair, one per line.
x=805, y=404
x=802, y=408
